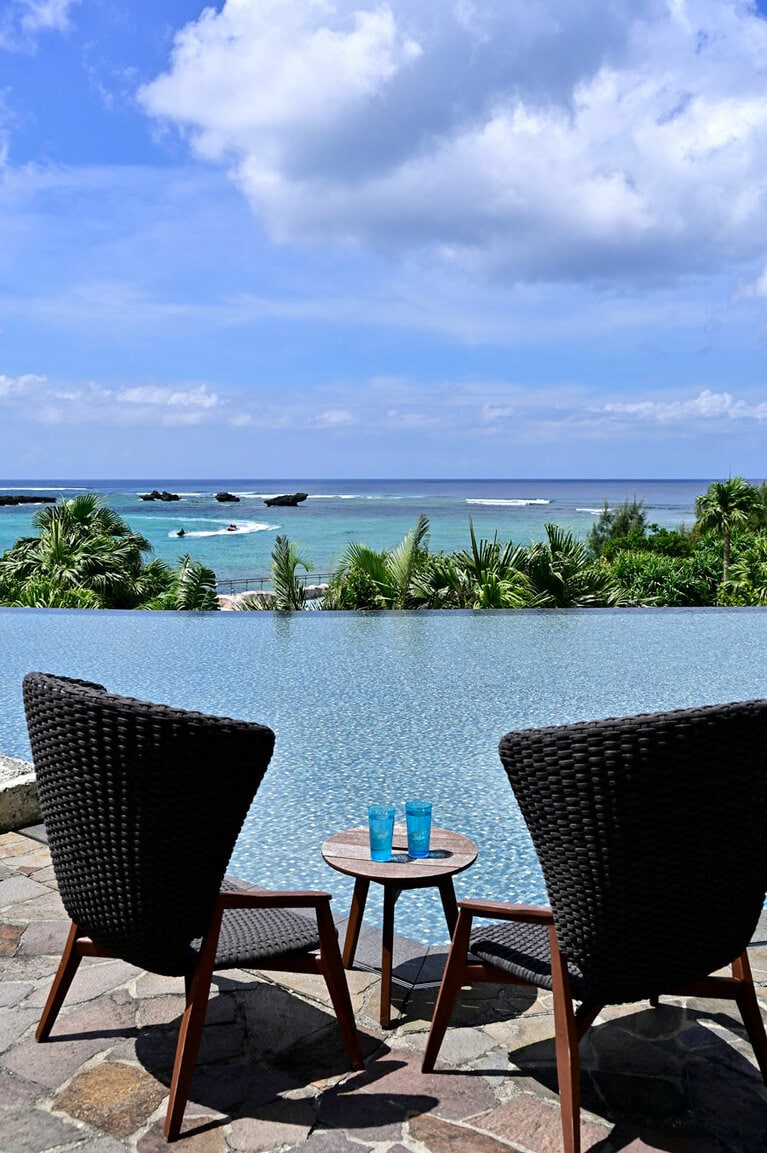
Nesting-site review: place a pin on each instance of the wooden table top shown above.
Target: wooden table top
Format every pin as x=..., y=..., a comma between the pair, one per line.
x=449, y=853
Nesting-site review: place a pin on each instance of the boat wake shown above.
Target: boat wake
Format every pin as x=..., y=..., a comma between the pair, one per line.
x=512, y=502
x=241, y=528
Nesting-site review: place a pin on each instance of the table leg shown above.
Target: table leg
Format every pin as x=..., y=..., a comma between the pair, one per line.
x=447, y=893
x=361, y=886
x=390, y=899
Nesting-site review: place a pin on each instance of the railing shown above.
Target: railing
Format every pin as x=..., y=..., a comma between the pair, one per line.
x=260, y=583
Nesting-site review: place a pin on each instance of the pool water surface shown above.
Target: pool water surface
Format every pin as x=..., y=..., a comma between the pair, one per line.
x=389, y=706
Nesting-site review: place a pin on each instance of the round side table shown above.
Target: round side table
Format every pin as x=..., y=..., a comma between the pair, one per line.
x=349, y=852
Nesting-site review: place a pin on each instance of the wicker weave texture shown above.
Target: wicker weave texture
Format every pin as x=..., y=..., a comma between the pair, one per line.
x=650, y=834
x=142, y=804
x=249, y=936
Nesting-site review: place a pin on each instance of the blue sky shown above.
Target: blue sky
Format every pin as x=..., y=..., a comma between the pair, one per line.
x=467, y=238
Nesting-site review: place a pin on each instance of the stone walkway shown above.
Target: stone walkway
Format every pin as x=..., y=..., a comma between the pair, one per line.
x=271, y=1076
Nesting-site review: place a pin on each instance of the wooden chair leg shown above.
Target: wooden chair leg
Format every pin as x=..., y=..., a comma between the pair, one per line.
x=568, y=1059
x=68, y=966
x=750, y=1012
x=333, y=971
x=190, y=1033
x=449, y=989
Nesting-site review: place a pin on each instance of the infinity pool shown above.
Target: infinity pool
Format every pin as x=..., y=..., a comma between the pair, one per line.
x=370, y=706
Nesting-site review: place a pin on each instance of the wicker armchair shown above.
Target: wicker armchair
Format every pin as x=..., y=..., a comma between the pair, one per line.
x=142, y=806
x=650, y=834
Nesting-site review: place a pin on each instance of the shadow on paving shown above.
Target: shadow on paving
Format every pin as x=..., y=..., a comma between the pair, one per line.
x=259, y=1043
x=668, y=1079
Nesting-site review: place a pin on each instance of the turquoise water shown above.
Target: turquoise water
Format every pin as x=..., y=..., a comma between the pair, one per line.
x=390, y=706
x=379, y=513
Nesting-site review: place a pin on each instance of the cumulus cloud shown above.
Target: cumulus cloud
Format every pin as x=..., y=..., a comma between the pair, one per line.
x=171, y=398
x=22, y=20
x=12, y=387
x=39, y=400
x=707, y=406
x=546, y=141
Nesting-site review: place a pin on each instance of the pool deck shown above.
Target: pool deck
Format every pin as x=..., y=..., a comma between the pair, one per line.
x=271, y=1074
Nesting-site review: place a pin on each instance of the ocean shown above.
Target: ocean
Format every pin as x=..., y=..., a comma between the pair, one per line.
x=375, y=512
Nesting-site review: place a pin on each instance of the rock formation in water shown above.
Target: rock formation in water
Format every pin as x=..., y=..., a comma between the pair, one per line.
x=35, y=499
x=155, y=495
x=286, y=500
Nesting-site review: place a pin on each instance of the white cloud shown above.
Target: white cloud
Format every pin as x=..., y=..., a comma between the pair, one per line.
x=707, y=405
x=12, y=387
x=21, y=21
x=333, y=418
x=542, y=141
x=36, y=399
x=171, y=398
x=460, y=411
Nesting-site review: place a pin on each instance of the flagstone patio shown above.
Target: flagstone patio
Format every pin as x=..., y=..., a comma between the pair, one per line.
x=272, y=1075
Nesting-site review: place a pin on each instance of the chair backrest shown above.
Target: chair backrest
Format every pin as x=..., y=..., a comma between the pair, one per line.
x=651, y=834
x=142, y=805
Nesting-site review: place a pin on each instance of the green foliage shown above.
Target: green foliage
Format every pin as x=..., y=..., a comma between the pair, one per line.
x=86, y=556
x=747, y=583
x=289, y=590
x=563, y=574
x=666, y=542
x=39, y=592
x=625, y=522
x=758, y=518
x=727, y=506
x=648, y=578
x=366, y=579
x=488, y=575
x=191, y=587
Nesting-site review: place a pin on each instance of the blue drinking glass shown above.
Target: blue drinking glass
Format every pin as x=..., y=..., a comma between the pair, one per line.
x=381, y=825
x=418, y=817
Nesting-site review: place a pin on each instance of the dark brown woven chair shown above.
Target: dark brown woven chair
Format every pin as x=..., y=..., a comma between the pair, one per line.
x=142, y=806
x=650, y=834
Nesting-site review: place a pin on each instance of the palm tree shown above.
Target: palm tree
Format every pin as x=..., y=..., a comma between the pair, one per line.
x=489, y=575
x=386, y=580
x=87, y=556
x=290, y=592
x=191, y=587
x=726, y=506
x=82, y=544
x=563, y=574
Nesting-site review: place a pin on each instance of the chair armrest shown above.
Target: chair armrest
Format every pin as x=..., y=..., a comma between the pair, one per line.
x=270, y=899
x=505, y=911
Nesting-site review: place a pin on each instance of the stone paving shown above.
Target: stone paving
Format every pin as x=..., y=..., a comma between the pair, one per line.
x=271, y=1074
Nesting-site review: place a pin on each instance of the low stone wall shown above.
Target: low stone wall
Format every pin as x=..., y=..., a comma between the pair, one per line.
x=18, y=794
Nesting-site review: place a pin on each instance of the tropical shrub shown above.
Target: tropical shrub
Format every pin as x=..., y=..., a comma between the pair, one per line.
x=86, y=556
x=487, y=575
x=368, y=579
x=747, y=583
x=647, y=578
x=624, y=522
x=191, y=586
x=563, y=573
